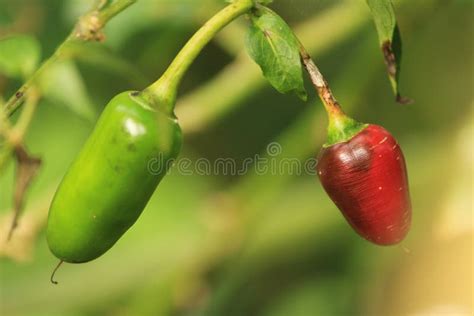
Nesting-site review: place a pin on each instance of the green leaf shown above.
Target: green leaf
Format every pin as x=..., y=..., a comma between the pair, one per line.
x=273, y=46
x=390, y=41
x=19, y=56
x=63, y=84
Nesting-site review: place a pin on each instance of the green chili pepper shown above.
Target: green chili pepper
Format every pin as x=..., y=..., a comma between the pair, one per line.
x=130, y=150
x=110, y=183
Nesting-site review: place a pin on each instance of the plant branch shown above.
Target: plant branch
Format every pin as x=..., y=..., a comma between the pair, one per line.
x=320, y=84
x=165, y=88
x=19, y=130
x=87, y=28
x=113, y=9
x=241, y=78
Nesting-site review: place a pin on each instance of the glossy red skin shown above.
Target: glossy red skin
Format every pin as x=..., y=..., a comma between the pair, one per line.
x=367, y=180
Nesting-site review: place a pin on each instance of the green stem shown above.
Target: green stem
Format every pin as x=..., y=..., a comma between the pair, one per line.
x=330, y=103
x=17, y=99
x=114, y=9
x=341, y=127
x=204, y=106
x=88, y=28
x=164, y=90
x=26, y=114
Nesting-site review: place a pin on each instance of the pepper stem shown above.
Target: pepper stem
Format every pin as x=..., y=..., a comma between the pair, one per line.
x=164, y=90
x=341, y=127
x=54, y=272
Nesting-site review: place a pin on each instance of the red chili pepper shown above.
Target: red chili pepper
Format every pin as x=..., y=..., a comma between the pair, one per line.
x=366, y=178
x=363, y=170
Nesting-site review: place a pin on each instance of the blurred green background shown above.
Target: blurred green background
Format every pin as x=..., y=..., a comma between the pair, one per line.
x=253, y=244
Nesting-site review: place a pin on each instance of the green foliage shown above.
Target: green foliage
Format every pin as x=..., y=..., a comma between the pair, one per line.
x=384, y=18
x=19, y=55
x=390, y=41
x=273, y=46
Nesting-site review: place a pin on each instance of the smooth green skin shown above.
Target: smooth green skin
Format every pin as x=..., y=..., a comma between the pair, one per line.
x=110, y=182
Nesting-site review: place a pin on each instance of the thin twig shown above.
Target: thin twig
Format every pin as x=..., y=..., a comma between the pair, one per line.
x=27, y=165
x=320, y=84
x=54, y=272
x=21, y=126
x=87, y=28
x=240, y=79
